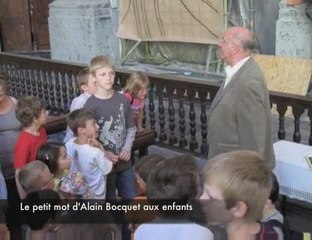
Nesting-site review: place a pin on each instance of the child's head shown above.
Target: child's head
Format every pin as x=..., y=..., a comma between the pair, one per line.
x=138, y=84
x=174, y=179
x=143, y=168
x=35, y=176
x=37, y=220
x=86, y=81
x=82, y=123
x=99, y=62
x=55, y=156
x=104, y=72
x=31, y=110
x=236, y=186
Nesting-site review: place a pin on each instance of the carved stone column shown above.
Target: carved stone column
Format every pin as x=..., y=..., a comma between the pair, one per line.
x=82, y=29
x=293, y=31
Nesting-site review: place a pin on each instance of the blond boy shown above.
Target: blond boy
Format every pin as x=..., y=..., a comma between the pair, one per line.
x=115, y=118
x=87, y=86
x=236, y=187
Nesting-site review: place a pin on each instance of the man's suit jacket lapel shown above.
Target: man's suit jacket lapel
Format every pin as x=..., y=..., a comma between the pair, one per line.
x=222, y=91
x=218, y=97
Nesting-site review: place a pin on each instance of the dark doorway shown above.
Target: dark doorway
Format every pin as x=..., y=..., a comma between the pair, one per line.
x=24, y=25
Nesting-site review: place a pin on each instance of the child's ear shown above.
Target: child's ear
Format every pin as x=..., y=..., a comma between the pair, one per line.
x=35, y=119
x=80, y=131
x=268, y=203
x=240, y=209
x=83, y=87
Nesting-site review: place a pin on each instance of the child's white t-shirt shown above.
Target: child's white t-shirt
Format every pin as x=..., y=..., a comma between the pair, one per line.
x=77, y=103
x=92, y=162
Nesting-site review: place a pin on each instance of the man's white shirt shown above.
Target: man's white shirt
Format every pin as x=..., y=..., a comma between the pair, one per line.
x=231, y=71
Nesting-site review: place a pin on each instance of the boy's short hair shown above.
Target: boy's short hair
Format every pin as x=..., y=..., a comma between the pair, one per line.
x=241, y=176
x=145, y=164
x=83, y=77
x=27, y=109
x=78, y=118
x=30, y=175
x=100, y=62
x=173, y=179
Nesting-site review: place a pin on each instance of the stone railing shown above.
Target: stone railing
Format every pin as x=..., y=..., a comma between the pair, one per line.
x=177, y=108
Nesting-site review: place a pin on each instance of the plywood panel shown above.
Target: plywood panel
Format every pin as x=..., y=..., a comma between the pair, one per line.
x=285, y=74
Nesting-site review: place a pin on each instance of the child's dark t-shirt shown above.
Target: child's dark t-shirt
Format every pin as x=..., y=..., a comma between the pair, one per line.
x=114, y=117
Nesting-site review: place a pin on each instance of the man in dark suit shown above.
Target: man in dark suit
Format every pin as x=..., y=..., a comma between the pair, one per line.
x=240, y=117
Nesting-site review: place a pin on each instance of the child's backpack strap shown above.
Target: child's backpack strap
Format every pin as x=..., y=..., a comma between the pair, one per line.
x=276, y=223
x=288, y=233
x=267, y=232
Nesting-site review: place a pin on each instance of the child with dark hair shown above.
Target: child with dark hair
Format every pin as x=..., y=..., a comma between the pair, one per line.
x=40, y=222
x=54, y=155
x=87, y=152
x=142, y=169
x=174, y=181
x=32, y=114
x=270, y=212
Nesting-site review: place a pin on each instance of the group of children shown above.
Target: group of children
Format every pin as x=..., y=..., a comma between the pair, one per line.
x=94, y=162
x=239, y=194
x=96, y=152
x=101, y=129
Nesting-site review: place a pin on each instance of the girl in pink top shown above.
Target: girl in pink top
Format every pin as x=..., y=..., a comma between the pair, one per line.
x=135, y=91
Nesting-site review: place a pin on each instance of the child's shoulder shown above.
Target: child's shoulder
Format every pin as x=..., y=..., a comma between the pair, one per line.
x=26, y=135
x=87, y=149
x=92, y=99
x=42, y=131
x=21, y=136
x=120, y=95
x=79, y=101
